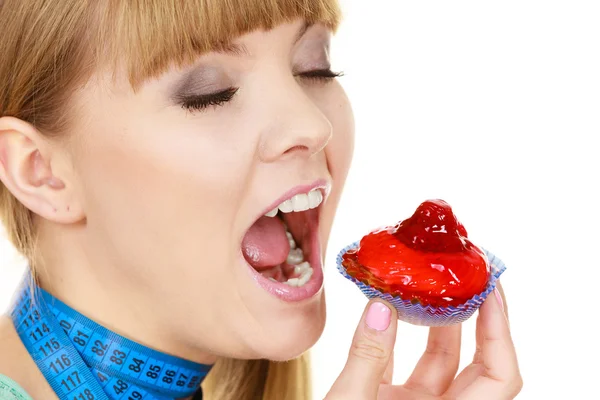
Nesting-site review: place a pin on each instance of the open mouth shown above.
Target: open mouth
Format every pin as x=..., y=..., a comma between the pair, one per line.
x=283, y=250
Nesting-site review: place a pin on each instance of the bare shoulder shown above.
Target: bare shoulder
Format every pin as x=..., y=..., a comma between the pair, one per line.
x=11, y=349
x=16, y=363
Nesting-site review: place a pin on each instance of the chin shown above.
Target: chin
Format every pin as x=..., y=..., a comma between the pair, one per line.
x=293, y=335
x=281, y=253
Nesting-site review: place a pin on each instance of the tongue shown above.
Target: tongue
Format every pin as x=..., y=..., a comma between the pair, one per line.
x=266, y=244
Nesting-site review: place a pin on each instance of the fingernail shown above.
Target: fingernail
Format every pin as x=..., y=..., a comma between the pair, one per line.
x=499, y=298
x=379, y=316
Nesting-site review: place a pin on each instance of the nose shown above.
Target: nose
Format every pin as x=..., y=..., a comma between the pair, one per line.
x=296, y=125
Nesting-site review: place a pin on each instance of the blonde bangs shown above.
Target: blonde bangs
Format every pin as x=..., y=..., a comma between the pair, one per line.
x=155, y=34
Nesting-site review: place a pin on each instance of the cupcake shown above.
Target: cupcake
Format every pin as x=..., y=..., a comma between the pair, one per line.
x=425, y=266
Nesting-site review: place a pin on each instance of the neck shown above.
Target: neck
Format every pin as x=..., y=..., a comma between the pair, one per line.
x=80, y=358
x=121, y=302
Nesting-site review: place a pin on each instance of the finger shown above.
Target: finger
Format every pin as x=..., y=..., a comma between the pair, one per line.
x=495, y=374
x=479, y=329
x=391, y=392
x=473, y=370
x=369, y=354
x=437, y=367
x=503, y=298
x=478, y=340
x=389, y=371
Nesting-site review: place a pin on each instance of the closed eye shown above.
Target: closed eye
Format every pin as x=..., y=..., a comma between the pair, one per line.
x=201, y=102
x=321, y=74
x=204, y=101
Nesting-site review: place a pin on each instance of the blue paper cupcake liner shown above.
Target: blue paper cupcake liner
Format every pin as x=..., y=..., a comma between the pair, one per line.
x=418, y=314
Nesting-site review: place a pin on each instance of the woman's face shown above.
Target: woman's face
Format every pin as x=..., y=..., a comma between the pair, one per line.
x=176, y=178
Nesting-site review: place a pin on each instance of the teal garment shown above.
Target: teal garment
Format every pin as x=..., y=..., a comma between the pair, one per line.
x=10, y=390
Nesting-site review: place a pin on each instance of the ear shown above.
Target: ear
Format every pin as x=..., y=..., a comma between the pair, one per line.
x=34, y=170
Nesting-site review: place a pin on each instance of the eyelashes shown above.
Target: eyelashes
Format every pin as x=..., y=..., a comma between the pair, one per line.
x=202, y=102
x=321, y=74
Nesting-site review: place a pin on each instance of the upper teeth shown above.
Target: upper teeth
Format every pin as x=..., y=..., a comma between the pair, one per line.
x=300, y=202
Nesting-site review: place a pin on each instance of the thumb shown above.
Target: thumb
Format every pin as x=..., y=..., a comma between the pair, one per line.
x=372, y=348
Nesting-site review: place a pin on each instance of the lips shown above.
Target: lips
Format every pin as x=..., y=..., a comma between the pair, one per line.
x=311, y=249
x=282, y=247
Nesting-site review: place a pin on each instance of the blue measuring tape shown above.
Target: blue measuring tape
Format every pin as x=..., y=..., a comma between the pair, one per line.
x=82, y=360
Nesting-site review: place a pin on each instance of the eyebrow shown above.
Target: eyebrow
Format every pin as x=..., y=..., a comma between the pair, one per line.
x=235, y=49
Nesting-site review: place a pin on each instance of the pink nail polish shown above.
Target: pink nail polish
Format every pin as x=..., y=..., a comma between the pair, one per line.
x=499, y=298
x=378, y=316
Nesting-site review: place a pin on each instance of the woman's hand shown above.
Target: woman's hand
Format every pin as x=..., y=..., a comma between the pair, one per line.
x=493, y=374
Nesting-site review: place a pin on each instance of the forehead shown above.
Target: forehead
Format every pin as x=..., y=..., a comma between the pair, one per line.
x=155, y=34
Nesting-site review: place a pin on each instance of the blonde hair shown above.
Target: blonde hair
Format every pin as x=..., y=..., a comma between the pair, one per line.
x=50, y=48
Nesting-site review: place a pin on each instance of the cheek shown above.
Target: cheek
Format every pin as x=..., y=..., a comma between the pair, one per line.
x=340, y=149
x=165, y=181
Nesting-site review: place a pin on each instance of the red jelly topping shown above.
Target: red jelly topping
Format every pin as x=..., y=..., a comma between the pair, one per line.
x=426, y=258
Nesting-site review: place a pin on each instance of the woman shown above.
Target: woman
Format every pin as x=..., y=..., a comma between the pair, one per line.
x=160, y=161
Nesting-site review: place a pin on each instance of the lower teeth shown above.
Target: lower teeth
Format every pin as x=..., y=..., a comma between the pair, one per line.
x=302, y=268
x=291, y=240
x=305, y=271
x=295, y=257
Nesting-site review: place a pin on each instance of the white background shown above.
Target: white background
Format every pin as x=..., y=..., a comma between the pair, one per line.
x=494, y=107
